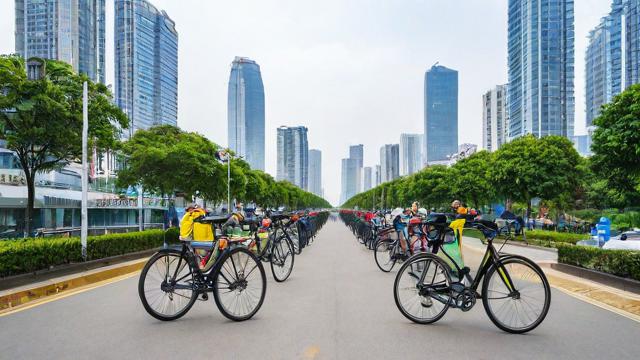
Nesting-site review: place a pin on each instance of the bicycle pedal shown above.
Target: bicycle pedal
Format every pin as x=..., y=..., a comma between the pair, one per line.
x=204, y=297
x=464, y=271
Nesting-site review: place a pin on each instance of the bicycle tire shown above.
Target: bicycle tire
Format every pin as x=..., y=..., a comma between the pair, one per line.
x=380, y=261
x=142, y=292
x=487, y=303
x=285, y=242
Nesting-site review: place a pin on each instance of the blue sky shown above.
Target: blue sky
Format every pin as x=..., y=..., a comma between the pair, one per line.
x=352, y=71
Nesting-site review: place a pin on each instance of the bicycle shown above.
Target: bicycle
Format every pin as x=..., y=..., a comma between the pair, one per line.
x=277, y=250
x=515, y=292
x=171, y=281
x=389, y=251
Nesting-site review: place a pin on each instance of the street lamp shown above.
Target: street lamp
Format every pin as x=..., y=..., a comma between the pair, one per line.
x=225, y=155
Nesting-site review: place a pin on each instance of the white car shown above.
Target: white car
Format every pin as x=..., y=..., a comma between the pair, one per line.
x=629, y=240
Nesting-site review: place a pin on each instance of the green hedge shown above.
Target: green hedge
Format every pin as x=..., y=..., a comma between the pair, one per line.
x=625, y=263
x=544, y=235
x=32, y=254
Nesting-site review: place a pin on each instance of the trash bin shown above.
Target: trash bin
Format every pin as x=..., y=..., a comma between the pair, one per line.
x=604, y=229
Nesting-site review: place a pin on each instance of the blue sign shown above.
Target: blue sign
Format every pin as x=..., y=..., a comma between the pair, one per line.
x=604, y=229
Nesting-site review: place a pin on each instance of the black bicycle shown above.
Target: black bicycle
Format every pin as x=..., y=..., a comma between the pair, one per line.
x=515, y=292
x=172, y=280
x=274, y=248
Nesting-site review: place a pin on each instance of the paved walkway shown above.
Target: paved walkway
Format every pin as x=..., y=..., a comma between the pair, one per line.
x=336, y=305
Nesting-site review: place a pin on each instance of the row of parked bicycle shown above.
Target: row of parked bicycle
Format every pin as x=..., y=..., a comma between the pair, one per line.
x=433, y=277
x=227, y=262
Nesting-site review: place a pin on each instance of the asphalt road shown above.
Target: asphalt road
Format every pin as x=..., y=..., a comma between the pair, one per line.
x=336, y=305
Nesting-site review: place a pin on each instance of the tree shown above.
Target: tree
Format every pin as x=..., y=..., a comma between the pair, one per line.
x=432, y=186
x=470, y=179
x=164, y=159
x=616, y=146
x=528, y=167
x=42, y=118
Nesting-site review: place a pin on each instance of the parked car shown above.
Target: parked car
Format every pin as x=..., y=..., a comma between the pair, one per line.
x=628, y=240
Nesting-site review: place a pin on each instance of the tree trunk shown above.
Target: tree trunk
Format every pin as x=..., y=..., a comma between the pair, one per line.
x=29, y=211
x=528, y=209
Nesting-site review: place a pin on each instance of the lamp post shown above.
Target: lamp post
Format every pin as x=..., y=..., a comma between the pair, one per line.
x=83, y=209
x=225, y=155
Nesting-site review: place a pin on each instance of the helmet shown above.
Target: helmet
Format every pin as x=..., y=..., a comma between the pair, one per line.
x=266, y=223
x=396, y=212
x=422, y=211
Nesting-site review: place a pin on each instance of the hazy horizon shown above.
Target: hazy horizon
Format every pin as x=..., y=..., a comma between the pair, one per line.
x=351, y=71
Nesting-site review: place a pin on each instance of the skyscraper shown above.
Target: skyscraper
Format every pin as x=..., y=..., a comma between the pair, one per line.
x=541, y=67
x=378, y=175
x=389, y=162
x=72, y=31
x=613, y=56
x=357, y=152
x=410, y=153
x=495, y=118
x=293, y=156
x=315, y=172
x=245, y=107
x=367, y=178
x=440, y=113
x=350, y=179
x=146, y=64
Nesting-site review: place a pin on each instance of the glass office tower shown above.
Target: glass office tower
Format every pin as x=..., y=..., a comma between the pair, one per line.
x=440, y=113
x=495, y=118
x=410, y=153
x=315, y=172
x=72, y=31
x=146, y=64
x=541, y=67
x=293, y=156
x=245, y=112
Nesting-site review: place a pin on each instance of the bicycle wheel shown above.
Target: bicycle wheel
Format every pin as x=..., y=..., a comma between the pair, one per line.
x=282, y=259
x=239, y=285
x=516, y=295
x=166, y=286
x=384, y=255
x=422, y=288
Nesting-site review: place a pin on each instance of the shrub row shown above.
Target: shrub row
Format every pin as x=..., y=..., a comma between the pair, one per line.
x=625, y=263
x=544, y=235
x=32, y=254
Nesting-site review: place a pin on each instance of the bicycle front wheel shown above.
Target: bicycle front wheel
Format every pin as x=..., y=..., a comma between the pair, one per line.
x=239, y=285
x=383, y=255
x=282, y=260
x=422, y=289
x=516, y=295
x=166, y=286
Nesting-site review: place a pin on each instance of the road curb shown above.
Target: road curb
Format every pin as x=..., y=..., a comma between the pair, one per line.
x=13, y=298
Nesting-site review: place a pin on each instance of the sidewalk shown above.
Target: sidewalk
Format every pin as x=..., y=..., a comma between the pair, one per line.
x=600, y=294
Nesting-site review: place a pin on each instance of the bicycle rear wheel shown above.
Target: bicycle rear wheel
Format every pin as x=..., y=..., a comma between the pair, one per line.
x=282, y=259
x=516, y=295
x=422, y=288
x=239, y=285
x=166, y=286
x=383, y=255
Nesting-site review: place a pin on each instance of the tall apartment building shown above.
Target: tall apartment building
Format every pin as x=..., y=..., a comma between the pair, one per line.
x=367, y=174
x=350, y=179
x=495, y=118
x=315, y=172
x=389, y=162
x=410, y=153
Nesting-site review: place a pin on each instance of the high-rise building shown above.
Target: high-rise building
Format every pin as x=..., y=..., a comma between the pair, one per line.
x=357, y=152
x=245, y=111
x=389, y=162
x=440, y=113
x=146, y=64
x=495, y=118
x=293, y=156
x=72, y=31
x=378, y=175
x=350, y=179
x=541, y=67
x=410, y=153
x=613, y=56
x=315, y=172
x=367, y=178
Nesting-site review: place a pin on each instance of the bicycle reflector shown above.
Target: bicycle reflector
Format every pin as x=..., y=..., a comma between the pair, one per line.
x=222, y=244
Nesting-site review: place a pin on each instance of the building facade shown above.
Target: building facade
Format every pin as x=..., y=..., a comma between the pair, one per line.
x=293, y=156
x=367, y=175
x=410, y=153
x=495, y=118
x=378, y=176
x=72, y=31
x=541, y=67
x=612, y=57
x=440, y=113
x=146, y=65
x=315, y=172
x=357, y=152
x=245, y=112
x=350, y=179
x=389, y=162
